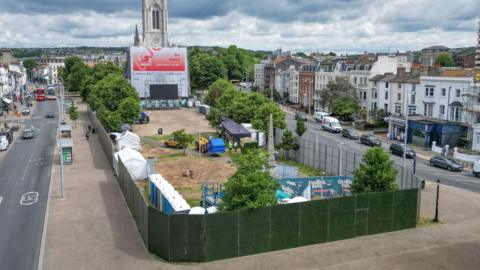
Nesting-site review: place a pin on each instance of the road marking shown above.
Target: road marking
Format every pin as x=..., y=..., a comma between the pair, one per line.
x=1, y=199
x=29, y=198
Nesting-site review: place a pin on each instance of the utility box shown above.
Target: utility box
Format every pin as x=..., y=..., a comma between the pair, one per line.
x=67, y=151
x=65, y=132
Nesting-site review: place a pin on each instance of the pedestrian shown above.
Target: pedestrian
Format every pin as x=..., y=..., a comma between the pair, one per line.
x=87, y=135
x=89, y=128
x=444, y=150
x=414, y=165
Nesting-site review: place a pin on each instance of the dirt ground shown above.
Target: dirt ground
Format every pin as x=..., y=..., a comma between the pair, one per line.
x=153, y=151
x=173, y=120
x=205, y=170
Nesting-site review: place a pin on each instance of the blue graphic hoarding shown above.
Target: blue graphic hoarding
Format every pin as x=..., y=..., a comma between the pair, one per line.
x=321, y=186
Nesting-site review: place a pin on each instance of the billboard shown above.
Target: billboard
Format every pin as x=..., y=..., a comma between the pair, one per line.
x=153, y=70
x=321, y=186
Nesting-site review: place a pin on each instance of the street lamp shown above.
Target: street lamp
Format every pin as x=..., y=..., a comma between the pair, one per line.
x=405, y=139
x=61, y=155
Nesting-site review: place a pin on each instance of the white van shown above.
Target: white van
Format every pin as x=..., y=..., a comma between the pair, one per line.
x=476, y=168
x=318, y=116
x=3, y=143
x=331, y=124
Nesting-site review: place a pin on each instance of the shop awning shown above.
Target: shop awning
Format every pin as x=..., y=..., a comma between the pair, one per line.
x=6, y=100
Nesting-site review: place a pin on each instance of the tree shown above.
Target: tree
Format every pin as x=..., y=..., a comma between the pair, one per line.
x=111, y=121
x=301, y=55
x=183, y=139
x=73, y=112
x=301, y=127
x=268, y=93
x=344, y=108
x=129, y=109
x=67, y=70
x=288, y=142
x=101, y=71
x=251, y=186
x=110, y=92
x=214, y=117
x=29, y=65
x=76, y=77
x=445, y=60
x=205, y=69
x=375, y=174
x=341, y=88
x=216, y=90
x=262, y=117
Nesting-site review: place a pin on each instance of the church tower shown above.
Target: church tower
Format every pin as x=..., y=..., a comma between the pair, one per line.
x=155, y=22
x=136, y=39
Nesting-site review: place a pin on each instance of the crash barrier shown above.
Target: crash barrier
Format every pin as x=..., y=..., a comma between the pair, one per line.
x=337, y=160
x=200, y=238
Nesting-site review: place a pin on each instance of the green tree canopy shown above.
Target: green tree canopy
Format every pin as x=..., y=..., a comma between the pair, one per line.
x=205, y=69
x=111, y=121
x=375, y=174
x=129, y=109
x=216, y=90
x=110, y=92
x=251, y=186
x=301, y=127
x=76, y=79
x=288, y=141
x=344, y=108
x=262, y=117
x=73, y=113
x=183, y=139
x=101, y=71
x=268, y=92
x=214, y=117
x=29, y=64
x=445, y=60
x=341, y=88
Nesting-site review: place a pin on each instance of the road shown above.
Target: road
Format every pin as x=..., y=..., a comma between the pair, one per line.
x=464, y=180
x=24, y=185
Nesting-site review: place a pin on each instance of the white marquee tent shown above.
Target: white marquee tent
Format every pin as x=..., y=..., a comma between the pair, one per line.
x=128, y=139
x=134, y=162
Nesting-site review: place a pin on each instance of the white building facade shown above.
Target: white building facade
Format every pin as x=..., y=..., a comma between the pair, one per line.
x=259, y=76
x=293, y=84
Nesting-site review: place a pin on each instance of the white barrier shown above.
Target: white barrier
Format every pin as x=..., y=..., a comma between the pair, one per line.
x=436, y=149
x=463, y=157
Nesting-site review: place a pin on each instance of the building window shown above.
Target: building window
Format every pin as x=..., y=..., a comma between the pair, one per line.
x=459, y=93
x=399, y=85
x=455, y=114
x=412, y=110
x=412, y=99
x=365, y=95
x=385, y=108
x=442, y=110
x=428, y=110
x=398, y=109
x=444, y=92
x=429, y=91
x=355, y=80
x=386, y=95
x=386, y=85
x=156, y=19
x=399, y=96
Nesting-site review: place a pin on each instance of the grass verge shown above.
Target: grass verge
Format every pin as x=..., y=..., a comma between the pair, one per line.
x=303, y=169
x=427, y=222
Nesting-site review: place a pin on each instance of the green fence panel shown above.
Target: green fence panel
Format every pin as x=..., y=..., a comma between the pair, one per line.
x=187, y=238
x=159, y=233
x=405, y=209
x=196, y=238
x=361, y=214
x=284, y=226
x=222, y=235
x=341, y=212
x=313, y=225
x=380, y=212
x=254, y=231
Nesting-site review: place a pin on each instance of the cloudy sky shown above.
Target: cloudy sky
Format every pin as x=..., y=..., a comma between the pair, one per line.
x=298, y=25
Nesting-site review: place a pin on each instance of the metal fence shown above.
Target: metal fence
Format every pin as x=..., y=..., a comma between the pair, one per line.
x=103, y=136
x=339, y=160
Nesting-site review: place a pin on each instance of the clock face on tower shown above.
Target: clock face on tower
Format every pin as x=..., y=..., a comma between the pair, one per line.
x=156, y=41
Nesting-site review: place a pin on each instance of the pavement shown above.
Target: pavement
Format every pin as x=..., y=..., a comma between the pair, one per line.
x=24, y=185
x=92, y=229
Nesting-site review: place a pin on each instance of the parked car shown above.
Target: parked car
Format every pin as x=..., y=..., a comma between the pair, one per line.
x=3, y=143
x=476, y=168
x=25, y=111
x=446, y=163
x=28, y=133
x=370, y=140
x=172, y=144
x=350, y=133
x=8, y=133
x=397, y=149
x=50, y=115
x=301, y=115
x=331, y=124
x=318, y=116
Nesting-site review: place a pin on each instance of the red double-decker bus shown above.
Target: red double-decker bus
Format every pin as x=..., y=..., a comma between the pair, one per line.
x=40, y=94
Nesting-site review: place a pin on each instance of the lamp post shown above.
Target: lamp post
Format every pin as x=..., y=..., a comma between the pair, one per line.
x=436, y=203
x=405, y=139
x=61, y=155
